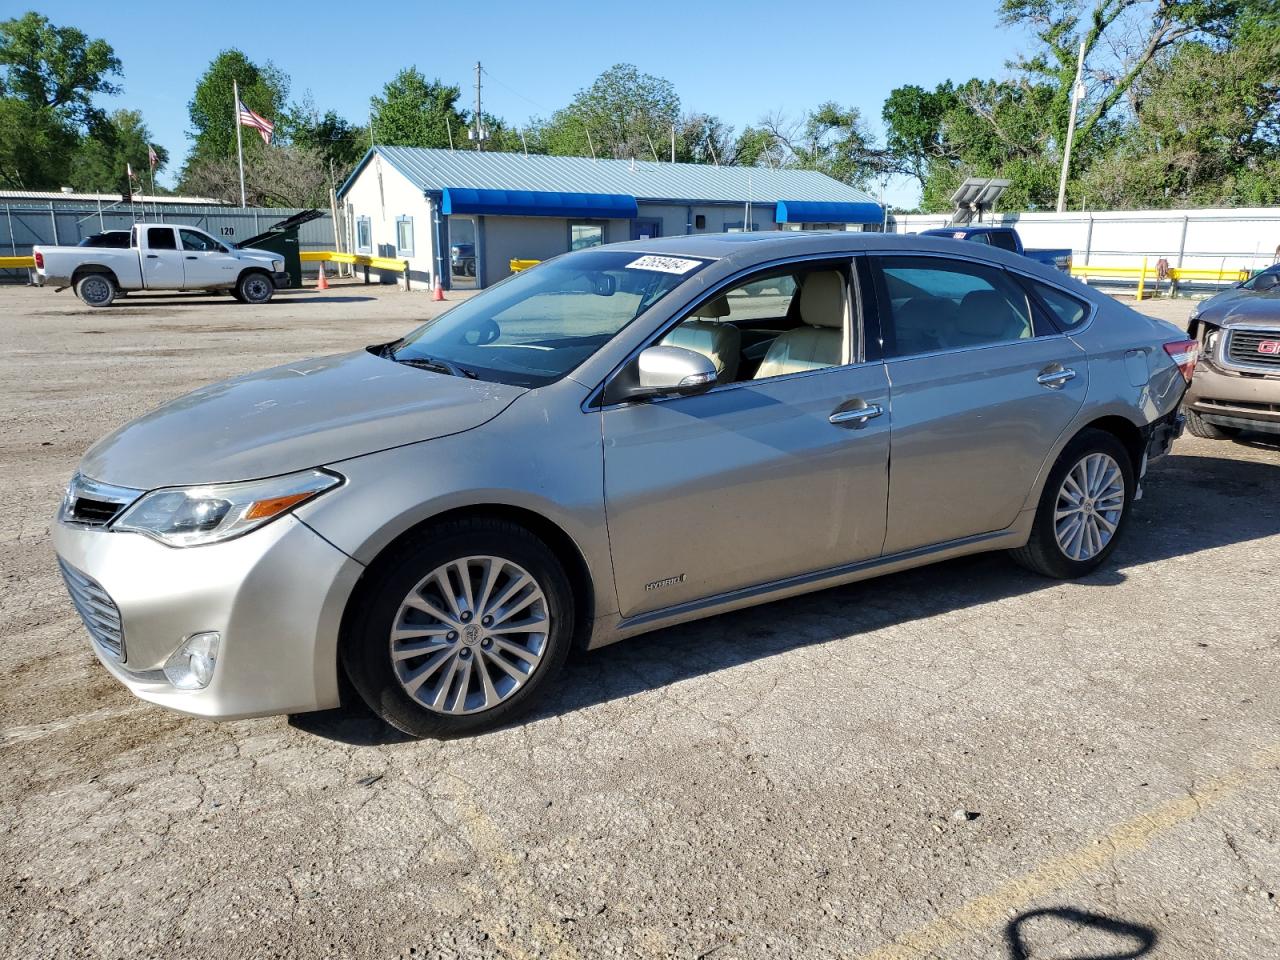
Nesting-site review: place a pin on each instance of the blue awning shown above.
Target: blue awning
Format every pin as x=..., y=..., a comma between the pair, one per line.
x=535, y=203
x=816, y=211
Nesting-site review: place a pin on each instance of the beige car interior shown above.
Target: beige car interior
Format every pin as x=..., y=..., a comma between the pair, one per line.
x=816, y=341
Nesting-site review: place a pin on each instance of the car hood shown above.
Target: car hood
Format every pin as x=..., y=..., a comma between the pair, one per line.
x=1241, y=306
x=290, y=418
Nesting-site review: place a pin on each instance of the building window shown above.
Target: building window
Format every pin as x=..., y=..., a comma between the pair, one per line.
x=735, y=226
x=583, y=235
x=699, y=221
x=364, y=235
x=404, y=236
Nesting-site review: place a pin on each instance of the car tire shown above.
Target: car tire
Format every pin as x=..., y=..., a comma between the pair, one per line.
x=254, y=288
x=435, y=685
x=97, y=289
x=1054, y=550
x=1197, y=426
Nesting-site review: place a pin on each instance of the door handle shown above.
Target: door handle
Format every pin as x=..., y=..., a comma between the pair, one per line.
x=1055, y=376
x=153, y=256
x=192, y=256
x=856, y=415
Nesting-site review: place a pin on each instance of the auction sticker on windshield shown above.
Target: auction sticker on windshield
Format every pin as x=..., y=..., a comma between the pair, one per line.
x=664, y=264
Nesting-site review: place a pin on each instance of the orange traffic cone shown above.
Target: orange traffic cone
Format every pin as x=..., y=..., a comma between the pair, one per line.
x=438, y=293
x=324, y=283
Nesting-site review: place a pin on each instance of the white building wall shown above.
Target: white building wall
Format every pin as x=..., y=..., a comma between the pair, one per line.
x=383, y=200
x=1221, y=239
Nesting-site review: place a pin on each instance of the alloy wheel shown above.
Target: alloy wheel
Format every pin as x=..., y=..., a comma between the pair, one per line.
x=1089, y=505
x=469, y=635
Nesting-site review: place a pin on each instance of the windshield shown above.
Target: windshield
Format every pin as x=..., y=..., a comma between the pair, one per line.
x=539, y=324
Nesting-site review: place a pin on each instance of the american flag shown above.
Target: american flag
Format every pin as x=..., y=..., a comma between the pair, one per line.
x=260, y=123
x=152, y=157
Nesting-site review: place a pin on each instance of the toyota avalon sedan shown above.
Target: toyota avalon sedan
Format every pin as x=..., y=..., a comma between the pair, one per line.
x=615, y=441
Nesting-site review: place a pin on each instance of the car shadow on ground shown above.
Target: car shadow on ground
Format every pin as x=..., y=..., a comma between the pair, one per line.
x=1190, y=504
x=1106, y=937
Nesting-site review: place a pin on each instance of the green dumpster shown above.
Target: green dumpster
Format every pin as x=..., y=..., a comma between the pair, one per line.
x=282, y=239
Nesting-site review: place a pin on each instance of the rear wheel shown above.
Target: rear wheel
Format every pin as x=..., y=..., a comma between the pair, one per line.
x=1083, y=508
x=254, y=288
x=1197, y=426
x=461, y=630
x=97, y=289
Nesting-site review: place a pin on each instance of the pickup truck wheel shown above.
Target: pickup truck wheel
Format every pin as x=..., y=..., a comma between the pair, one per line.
x=254, y=288
x=1197, y=426
x=96, y=289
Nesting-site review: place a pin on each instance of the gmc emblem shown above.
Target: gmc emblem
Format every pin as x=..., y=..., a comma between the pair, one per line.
x=1271, y=347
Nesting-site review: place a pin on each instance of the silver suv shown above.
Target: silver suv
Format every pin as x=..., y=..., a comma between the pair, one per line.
x=615, y=441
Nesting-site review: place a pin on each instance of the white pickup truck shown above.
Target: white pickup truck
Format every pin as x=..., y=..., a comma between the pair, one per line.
x=161, y=256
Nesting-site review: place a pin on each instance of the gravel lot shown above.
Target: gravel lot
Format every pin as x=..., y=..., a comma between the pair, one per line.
x=961, y=761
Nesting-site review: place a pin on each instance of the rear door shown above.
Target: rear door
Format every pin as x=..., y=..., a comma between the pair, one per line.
x=983, y=386
x=162, y=263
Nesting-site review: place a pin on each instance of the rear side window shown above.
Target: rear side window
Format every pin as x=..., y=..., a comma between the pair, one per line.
x=161, y=238
x=942, y=304
x=1067, y=311
x=1003, y=240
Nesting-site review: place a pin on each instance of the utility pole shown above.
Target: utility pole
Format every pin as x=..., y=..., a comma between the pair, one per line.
x=1077, y=92
x=478, y=132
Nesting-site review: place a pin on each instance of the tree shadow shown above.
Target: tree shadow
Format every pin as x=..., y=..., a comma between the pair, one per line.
x=1136, y=940
x=1191, y=504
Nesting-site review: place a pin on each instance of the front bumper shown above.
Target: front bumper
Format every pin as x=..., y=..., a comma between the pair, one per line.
x=276, y=596
x=281, y=279
x=1228, y=399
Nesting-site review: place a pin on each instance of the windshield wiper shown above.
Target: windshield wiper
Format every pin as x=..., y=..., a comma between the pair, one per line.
x=436, y=364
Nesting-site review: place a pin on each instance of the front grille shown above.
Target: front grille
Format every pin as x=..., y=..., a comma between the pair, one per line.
x=1246, y=348
x=96, y=608
x=89, y=503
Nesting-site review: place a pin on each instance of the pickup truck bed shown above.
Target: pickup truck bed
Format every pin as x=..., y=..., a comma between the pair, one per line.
x=1006, y=238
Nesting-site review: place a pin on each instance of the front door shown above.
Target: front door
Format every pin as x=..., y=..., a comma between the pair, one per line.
x=464, y=250
x=206, y=261
x=646, y=229
x=766, y=476
x=982, y=389
x=162, y=264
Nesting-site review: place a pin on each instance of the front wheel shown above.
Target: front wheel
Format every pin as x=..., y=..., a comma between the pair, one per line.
x=254, y=288
x=97, y=289
x=1197, y=426
x=461, y=629
x=1083, y=509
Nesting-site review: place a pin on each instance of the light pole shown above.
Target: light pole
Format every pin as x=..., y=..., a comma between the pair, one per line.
x=1077, y=93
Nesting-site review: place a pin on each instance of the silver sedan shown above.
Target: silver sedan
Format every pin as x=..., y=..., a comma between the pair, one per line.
x=616, y=441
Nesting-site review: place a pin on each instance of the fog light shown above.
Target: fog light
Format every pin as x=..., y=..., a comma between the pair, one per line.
x=191, y=666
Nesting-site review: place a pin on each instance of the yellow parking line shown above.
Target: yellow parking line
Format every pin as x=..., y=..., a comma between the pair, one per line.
x=984, y=912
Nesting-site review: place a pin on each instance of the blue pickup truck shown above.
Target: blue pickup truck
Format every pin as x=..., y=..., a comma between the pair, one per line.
x=1006, y=238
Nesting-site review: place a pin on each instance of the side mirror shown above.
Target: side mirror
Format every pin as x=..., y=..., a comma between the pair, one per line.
x=1266, y=281
x=662, y=372
x=666, y=370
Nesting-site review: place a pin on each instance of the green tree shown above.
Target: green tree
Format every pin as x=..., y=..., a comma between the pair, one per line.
x=913, y=119
x=121, y=140
x=831, y=139
x=336, y=144
x=264, y=89
x=48, y=78
x=415, y=112
x=623, y=114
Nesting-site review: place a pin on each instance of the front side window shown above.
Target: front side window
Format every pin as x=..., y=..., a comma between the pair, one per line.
x=364, y=234
x=583, y=235
x=200, y=242
x=541, y=323
x=782, y=321
x=161, y=238
x=937, y=303
x=404, y=236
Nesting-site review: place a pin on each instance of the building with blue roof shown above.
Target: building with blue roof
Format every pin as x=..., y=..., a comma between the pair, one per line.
x=464, y=215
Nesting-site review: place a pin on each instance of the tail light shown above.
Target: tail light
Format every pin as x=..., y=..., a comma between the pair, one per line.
x=39, y=260
x=1184, y=353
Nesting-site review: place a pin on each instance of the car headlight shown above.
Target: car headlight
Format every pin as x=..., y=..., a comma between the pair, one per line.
x=193, y=516
x=277, y=265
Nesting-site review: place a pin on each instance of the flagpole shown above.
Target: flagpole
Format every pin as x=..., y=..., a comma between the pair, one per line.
x=235, y=89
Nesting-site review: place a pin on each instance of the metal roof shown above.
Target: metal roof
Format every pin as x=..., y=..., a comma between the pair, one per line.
x=431, y=169
x=19, y=196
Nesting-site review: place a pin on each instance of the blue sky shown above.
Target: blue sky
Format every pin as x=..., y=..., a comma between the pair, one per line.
x=736, y=59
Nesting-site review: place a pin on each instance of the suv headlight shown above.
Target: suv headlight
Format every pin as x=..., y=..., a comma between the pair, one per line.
x=193, y=516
